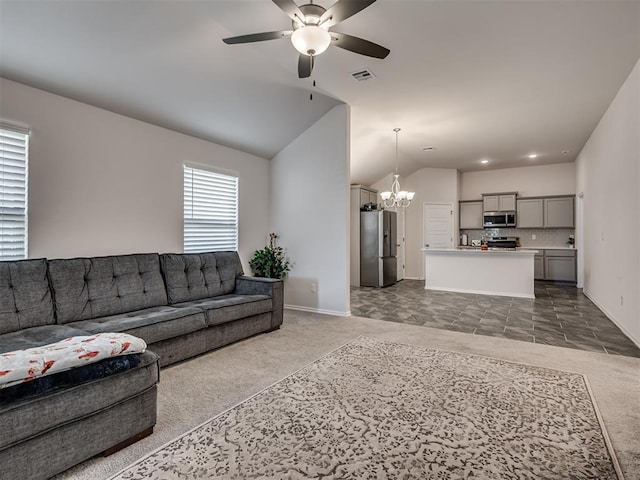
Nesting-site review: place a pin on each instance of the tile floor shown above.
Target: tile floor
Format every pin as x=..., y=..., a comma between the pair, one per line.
x=560, y=315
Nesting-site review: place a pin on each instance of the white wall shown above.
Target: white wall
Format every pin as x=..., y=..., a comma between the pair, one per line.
x=608, y=173
x=432, y=185
x=310, y=213
x=102, y=184
x=541, y=180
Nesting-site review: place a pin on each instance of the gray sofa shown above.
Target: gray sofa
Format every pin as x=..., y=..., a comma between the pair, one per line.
x=181, y=304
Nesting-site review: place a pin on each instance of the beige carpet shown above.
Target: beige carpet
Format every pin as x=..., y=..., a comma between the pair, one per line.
x=199, y=389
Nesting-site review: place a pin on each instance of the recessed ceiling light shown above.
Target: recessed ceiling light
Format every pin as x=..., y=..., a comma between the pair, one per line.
x=533, y=155
x=484, y=161
x=428, y=149
x=565, y=152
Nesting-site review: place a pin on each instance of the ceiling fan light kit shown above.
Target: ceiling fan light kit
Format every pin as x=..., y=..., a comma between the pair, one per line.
x=311, y=40
x=311, y=36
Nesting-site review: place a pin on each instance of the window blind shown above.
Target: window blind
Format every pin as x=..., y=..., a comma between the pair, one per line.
x=13, y=194
x=210, y=211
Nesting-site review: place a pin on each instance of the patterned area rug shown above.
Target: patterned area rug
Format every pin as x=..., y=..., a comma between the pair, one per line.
x=374, y=409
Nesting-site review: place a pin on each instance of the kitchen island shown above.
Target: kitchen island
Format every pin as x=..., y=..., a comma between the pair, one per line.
x=487, y=272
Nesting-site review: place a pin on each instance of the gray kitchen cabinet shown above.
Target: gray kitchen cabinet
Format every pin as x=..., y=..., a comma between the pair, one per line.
x=490, y=203
x=530, y=213
x=499, y=202
x=471, y=215
x=560, y=265
x=559, y=212
x=538, y=267
x=507, y=202
x=367, y=195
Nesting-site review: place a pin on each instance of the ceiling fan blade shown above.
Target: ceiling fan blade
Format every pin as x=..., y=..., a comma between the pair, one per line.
x=341, y=10
x=257, y=37
x=291, y=9
x=358, y=45
x=305, y=66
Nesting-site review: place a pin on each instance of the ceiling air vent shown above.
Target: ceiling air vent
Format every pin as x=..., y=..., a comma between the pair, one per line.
x=362, y=75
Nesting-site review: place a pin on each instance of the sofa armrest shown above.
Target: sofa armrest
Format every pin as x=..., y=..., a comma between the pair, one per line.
x=274, y=287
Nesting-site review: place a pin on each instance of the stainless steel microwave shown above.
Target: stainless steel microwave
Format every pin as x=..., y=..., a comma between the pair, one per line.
x=499, y=219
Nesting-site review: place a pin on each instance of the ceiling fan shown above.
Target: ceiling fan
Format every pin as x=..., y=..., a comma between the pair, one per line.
x=311, y=33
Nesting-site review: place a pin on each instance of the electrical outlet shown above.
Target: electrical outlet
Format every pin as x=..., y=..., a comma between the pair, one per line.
x=533, y=236
x=314, y=287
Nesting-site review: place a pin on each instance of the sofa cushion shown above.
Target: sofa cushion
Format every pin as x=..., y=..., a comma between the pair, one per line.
x=25, y=365
x=25, y=298
x=30, y=417
x=192, y=276
x=36, y=337
x=228, y=308
x=86, y=288
x=68, y=378
x=151, y=324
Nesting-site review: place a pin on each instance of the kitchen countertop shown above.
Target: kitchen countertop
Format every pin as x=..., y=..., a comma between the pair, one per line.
x=475, y=250
x=566, y=247
x=525, y=247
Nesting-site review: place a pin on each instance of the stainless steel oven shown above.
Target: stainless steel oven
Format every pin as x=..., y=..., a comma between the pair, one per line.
x=499, y=219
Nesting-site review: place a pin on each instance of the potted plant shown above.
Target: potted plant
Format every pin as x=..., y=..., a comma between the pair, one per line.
x=270, y=262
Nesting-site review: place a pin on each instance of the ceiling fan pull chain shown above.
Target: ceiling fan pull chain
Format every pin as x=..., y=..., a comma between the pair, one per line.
x=311, y=94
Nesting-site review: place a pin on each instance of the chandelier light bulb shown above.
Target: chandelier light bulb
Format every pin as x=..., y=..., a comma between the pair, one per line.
x=311, y=40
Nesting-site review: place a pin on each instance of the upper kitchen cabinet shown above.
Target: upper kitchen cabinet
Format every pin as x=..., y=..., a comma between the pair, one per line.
x=471, y=215
x=530, y=213
x=559, y=212
x=366, y=194
x=551, y=212
x=499, y=202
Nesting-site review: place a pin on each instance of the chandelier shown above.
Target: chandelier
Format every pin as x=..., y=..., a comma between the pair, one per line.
x=396, y=197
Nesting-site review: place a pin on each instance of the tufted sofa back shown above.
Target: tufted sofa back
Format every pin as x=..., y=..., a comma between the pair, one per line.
x=86, y=288
x=25, y=298
x=192, y=276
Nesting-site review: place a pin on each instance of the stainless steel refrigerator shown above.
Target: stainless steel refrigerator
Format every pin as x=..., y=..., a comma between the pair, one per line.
x=378, y=249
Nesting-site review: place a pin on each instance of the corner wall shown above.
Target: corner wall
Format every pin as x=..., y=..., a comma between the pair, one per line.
x=608, y=174
x=431, y=185
x=310, y=213
x=102, y=184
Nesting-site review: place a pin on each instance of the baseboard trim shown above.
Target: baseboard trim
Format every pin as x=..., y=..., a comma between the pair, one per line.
x=481, y=292
x=413, y=278
x=318, y=310
x=613, y=319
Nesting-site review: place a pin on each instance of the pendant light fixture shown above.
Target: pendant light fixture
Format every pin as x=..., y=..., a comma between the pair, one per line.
x=396, y=197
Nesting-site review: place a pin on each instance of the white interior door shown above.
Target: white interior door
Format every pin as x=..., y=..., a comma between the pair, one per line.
x=401, y=242
x=438, y=226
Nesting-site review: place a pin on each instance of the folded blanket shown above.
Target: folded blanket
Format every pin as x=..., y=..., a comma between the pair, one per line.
x=25, y=365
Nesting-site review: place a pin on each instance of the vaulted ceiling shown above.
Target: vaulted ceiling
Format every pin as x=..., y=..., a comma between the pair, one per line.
x=473, y=79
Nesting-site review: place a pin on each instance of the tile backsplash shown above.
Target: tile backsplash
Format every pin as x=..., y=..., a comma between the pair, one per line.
x=545, y=237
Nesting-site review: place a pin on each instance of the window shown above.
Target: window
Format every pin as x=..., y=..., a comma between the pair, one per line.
x=14, y=145
x=210, y=211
